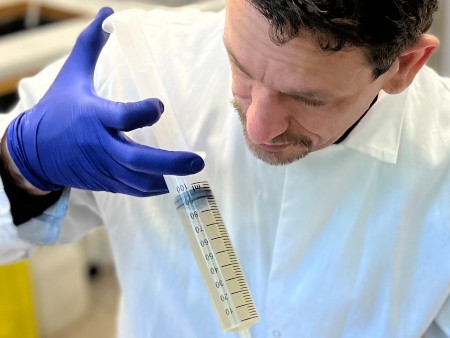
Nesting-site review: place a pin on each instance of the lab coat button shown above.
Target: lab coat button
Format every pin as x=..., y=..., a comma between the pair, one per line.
x=276, y=333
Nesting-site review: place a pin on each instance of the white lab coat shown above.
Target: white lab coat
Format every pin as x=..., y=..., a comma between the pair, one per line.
x=352, y=241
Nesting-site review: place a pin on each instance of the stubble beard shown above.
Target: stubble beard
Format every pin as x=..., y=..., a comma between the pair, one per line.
x=299, y=145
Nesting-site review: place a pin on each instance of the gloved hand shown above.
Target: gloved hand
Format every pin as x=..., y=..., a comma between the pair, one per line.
x=74, y=138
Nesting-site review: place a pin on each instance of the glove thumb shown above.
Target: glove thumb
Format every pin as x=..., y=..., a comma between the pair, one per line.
x=81, y=62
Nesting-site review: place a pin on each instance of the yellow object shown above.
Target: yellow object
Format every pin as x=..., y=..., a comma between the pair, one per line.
x=17, y=317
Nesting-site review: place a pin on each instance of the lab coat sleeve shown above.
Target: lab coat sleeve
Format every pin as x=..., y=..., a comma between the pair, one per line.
x=18, y=242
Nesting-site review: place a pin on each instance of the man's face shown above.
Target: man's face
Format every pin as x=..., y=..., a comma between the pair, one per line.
x=295, y=98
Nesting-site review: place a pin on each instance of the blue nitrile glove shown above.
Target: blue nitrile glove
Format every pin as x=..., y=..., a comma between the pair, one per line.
x=74, y=138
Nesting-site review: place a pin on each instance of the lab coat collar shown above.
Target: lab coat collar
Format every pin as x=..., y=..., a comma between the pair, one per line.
x=378, y=133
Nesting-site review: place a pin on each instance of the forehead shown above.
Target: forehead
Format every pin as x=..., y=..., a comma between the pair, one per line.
x=247, y=38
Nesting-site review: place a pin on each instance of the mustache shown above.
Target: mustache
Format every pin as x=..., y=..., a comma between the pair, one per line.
x=286, y=137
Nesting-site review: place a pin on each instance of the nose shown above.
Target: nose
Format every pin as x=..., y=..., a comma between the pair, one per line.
x=265, y=116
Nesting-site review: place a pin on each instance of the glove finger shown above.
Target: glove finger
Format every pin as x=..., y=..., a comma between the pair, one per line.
x=157, y=187
x=124, y=188
x=138, y=181
x=104, y=173
x=131, y=115
x=156, y=161
x=88, y=46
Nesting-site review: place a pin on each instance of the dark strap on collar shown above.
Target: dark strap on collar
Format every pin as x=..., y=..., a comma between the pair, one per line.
x=349, y=130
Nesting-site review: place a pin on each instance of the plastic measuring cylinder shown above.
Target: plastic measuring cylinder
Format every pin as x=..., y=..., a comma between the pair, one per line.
x=192, y=195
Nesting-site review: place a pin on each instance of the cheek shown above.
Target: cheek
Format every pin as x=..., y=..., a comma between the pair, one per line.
x=330, y=123
x=326, y=123
x=313, y=119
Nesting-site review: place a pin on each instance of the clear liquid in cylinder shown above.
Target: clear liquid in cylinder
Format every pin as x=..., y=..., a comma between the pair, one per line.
x=215, y=256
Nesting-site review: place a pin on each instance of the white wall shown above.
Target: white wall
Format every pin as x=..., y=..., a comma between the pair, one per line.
x=441, y=28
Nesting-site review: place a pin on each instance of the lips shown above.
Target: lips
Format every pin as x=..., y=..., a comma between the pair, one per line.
x=273, y=148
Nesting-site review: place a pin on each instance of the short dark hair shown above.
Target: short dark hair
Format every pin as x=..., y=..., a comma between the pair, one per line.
x=383, y=28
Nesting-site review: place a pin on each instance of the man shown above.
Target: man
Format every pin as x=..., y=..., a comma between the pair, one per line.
x=350, y=239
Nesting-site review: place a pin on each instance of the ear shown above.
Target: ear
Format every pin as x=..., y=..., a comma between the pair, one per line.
x=408, y=64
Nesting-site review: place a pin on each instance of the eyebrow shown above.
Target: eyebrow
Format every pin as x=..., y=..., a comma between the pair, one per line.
x=308, y=94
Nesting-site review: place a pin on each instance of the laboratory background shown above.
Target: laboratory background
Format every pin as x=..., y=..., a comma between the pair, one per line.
x=70, y=291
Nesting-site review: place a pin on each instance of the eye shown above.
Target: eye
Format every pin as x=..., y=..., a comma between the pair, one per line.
x=310, y=103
